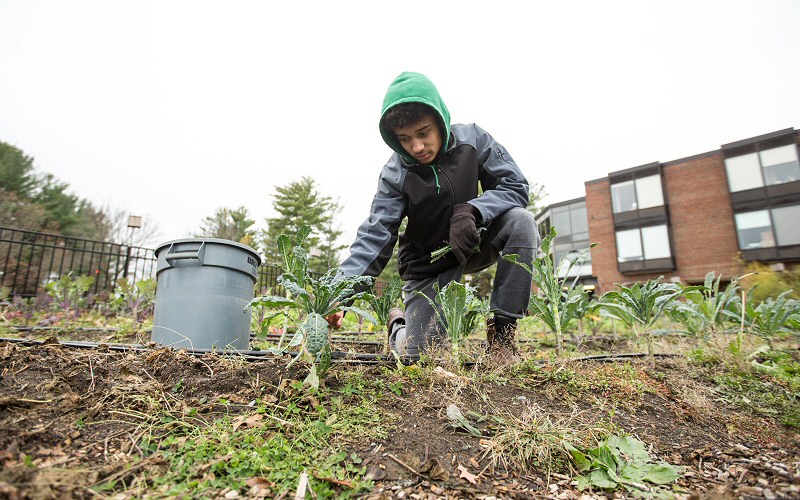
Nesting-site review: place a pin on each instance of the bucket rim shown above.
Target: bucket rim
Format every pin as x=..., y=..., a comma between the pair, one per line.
x=218, y=241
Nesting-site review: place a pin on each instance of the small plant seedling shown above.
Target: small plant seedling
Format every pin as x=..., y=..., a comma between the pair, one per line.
x=454, y=302
x=381, y=305
x=68, y=292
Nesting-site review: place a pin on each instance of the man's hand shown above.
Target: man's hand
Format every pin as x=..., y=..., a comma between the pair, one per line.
x=463, y=232
x=335, y=320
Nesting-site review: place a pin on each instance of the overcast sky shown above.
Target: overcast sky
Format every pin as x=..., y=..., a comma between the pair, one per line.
x=172, y=109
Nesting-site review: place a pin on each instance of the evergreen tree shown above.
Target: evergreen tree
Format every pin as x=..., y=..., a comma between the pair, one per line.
x=21, y=213
x=229, y=224
x=329, y=235
x=298, y=203
x=16, y=172
x=41, y=203
x=71, y=214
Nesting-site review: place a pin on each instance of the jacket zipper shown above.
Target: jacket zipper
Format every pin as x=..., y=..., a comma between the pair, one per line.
x=450, y=188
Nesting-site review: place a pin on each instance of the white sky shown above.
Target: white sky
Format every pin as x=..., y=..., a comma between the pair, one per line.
x=173, y=109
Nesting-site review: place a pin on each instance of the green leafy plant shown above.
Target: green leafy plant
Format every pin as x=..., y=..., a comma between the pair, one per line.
x=772, y=316
x=136, y=299
x=383, y=303
x=441, y=252
x=642, y=304
x=558, y=300
x=704, y=310
x=452, y=304
x=69, y=293
x=479, y=308
x=622, y=461
x=313, y=299
x=587, y=311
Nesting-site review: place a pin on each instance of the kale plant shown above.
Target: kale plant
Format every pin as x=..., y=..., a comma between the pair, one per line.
x=641, y=305
x=558, y=300
x=769, y=318
x=311, y=300
x=69, y=293
x=452, y=305
x=135, y=299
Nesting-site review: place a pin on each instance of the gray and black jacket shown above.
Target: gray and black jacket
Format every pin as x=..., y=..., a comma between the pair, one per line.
x=426, y=195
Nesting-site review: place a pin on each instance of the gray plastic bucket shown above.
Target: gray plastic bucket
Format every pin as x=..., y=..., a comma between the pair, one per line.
x=204, y=285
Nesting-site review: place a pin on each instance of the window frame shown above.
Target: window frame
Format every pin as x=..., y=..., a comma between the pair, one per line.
x=776, y=240
x=646, y=265
x=634, y=182
x=758, y=152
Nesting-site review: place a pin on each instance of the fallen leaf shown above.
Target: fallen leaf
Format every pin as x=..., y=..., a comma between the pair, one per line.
x=260, y=482
x=253, y=420
x=466, y=474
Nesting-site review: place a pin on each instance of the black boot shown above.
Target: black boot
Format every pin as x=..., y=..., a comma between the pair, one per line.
x=500, y=335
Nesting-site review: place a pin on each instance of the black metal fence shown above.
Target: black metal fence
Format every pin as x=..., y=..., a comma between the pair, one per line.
x=29, y=260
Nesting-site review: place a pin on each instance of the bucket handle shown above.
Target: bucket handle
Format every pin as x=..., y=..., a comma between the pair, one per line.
x=198, y=254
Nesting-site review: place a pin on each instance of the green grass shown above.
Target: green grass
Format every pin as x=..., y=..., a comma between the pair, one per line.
x=763, y=394
x=617, y=381
x=305, y=431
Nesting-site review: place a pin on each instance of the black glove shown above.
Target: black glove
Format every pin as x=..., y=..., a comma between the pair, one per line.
x=463, y=232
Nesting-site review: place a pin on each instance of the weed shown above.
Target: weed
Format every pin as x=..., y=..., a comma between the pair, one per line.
x=277, y=441
x=535, y=439
x=623, y=461
x=767, y=392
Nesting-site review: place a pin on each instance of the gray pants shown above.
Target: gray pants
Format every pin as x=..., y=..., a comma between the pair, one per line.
x=513, y=232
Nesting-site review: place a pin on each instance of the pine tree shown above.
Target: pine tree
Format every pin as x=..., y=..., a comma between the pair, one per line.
x=298, y=203
x=229, y=224
x=330, y=232
x=16, y=171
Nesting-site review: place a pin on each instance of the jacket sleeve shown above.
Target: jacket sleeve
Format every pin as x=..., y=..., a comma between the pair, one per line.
x=377, y=235
x=504, y=185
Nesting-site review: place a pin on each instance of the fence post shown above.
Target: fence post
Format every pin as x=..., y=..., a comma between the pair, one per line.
x=127, y=261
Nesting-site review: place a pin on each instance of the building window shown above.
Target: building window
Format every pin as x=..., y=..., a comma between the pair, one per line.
x=640, y=193
x=646, y=243
x=754, y=230
x=787, y=227
x=763, y=228
x=765, y=168
x=571, y=220
x=780, y=165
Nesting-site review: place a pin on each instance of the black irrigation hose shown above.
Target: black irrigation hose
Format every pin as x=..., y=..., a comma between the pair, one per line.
x=336, y=356
x=249, y=355
x=25, y=328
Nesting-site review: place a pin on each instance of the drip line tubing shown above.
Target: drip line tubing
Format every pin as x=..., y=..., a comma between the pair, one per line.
x=336, y=356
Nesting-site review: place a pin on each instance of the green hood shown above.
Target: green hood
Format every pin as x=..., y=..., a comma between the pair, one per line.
x=413, y=87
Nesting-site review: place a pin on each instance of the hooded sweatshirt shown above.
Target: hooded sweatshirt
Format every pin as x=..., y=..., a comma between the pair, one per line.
x=426, y=194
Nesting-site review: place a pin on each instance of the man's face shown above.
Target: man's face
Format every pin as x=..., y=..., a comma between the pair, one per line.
x=421, y=140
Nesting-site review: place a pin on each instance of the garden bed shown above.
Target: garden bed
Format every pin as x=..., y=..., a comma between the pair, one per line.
x=102, y=423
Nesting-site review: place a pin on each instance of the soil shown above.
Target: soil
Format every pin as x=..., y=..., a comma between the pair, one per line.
x=63, y=432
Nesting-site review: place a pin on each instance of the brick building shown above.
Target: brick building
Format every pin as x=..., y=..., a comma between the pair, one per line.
x=713, y=211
